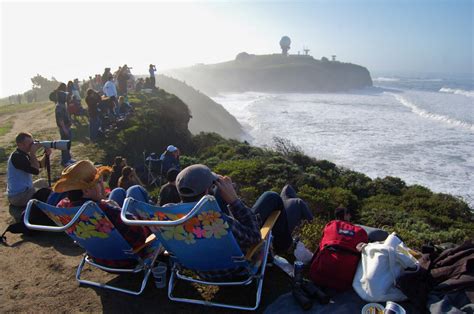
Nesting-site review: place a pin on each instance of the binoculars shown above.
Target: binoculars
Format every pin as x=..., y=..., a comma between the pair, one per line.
x=306, y=292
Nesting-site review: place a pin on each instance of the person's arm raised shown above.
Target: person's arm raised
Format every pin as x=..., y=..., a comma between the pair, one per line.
x=226, y=189
x=33, y=160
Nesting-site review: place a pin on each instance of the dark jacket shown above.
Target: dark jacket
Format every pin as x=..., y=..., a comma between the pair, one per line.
x=168, y=162
x=452, y=272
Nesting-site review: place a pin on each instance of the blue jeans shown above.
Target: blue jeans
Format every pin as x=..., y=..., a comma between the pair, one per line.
x=264, y=206
x=137, y=192
x=94, y=124
x=65, y=154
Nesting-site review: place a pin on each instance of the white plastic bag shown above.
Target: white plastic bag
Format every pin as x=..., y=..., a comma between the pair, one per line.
x=302, y=253
x=379, y=267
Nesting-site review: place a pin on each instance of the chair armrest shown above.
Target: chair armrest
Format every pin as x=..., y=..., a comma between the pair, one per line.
x=76, y=217
x=161, y=223
x=148, y=240
x=265, y=231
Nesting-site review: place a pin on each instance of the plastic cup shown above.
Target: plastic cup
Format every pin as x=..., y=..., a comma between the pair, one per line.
x=159, y=273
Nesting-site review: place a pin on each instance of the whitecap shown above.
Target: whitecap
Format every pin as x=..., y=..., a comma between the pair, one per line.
x=463, y=92
x=386, y=79
x=426, y=114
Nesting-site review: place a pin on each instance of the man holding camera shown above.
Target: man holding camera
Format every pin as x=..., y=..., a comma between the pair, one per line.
x=21, y=167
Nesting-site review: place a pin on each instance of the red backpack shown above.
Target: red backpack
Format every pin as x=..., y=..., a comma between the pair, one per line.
x=335, y=261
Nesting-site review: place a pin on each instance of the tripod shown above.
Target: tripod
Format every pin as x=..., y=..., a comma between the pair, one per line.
x=152, y=163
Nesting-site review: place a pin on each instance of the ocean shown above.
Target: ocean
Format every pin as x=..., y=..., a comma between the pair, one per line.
x=418, y=128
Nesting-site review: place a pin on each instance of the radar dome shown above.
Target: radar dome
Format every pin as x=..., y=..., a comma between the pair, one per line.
x=285, y=43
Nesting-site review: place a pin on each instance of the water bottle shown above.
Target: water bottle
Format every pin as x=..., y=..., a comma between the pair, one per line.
x=298, y=273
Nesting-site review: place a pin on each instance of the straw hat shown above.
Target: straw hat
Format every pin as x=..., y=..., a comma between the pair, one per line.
x=79, y=176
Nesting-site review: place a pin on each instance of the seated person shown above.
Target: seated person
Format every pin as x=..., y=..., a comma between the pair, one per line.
x=83, y=182
x=128, y=179
x=170, y=159
x=117, y=167
x=21, y=166
x=123, y=107
x=342, y=213
x=168, y=192
x=295, y=207
x=197, y=180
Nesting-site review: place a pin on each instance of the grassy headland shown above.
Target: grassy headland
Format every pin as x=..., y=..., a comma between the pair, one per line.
x=275, y=73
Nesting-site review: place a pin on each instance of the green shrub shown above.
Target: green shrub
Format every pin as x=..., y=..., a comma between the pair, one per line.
x=358, y=183
x=389, y=185
x=310, y=233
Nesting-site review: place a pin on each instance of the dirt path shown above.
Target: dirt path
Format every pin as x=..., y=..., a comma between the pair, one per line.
x=39, y=118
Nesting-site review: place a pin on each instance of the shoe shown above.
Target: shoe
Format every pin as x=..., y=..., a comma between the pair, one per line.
x=68, y=163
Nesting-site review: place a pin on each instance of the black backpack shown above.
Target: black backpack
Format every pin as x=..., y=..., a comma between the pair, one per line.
x=53, y=96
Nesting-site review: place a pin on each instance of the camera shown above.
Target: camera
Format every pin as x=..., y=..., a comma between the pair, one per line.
x=61, y=144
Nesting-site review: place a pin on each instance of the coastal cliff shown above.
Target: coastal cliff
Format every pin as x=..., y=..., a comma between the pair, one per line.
x=275, y=73
x=207, y=115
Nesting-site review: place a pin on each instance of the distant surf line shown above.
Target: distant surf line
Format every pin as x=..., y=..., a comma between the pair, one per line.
x=457, y=91
x=426, y=114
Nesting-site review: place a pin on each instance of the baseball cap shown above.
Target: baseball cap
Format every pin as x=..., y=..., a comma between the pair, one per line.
x=194, y=180
x=171, y=148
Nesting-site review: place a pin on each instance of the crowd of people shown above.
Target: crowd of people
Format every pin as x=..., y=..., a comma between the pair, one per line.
x=106, y=97
x=82, y=181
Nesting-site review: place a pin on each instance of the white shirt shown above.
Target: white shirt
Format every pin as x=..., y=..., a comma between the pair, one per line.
x=110, y=89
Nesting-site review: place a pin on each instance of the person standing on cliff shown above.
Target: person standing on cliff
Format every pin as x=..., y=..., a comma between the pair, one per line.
x=63, y=121
x=170, y=159
x=110, y=91
x=152, y=70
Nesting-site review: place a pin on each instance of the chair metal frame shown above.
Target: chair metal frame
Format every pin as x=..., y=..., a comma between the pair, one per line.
x=175, y=271
x=86, y=259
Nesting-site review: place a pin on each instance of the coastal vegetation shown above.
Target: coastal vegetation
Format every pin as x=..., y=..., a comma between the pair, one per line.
x=417, y=214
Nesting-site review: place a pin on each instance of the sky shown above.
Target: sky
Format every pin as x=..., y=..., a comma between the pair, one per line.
x=71, y=39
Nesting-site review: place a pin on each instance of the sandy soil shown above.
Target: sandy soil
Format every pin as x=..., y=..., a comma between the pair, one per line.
x=37, y=273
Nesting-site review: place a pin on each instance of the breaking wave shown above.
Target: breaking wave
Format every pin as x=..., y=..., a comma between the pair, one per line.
x=386, y=79
x=457, y=91
x=426, y=114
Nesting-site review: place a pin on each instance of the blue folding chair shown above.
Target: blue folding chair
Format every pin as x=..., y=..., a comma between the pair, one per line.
x=198, y=237
x=90, y=228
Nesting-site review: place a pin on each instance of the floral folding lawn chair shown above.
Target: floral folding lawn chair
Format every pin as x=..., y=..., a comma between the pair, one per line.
x=90, y=228
x=198, y=238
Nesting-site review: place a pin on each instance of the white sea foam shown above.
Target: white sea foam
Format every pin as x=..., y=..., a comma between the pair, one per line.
x=438, y=117
x=386, y=79
x=371, y=132
x=423, y=80
x=467, y=93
